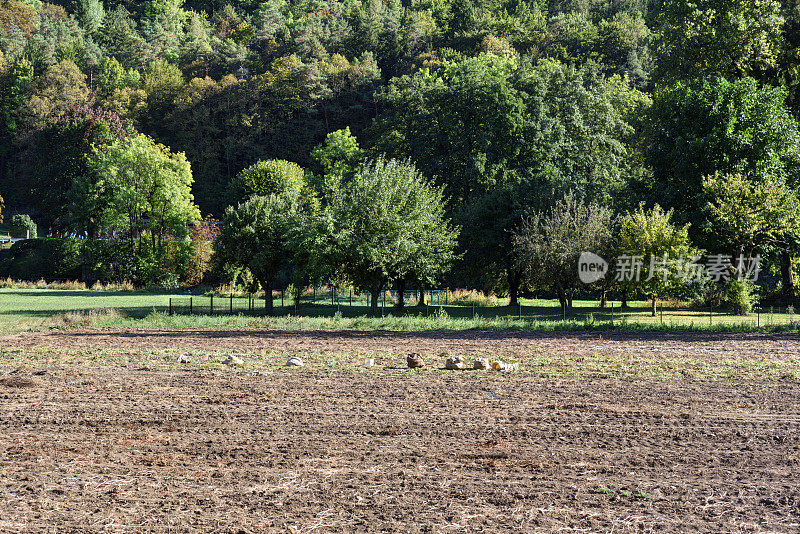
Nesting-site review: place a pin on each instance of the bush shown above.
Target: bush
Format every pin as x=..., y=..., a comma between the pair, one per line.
x=739, y=296
x=468, y=297
x=22, y=226
x=49, y=259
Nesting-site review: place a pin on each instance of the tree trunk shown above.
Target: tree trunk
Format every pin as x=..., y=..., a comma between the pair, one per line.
x=421, y=301
x=513, y=286
x=624, y=300
x=562, y=299
x=653, y=314
x=375, y=294
x=401, y=294
x=603, y=300
x=267, y=285
x=787, y=276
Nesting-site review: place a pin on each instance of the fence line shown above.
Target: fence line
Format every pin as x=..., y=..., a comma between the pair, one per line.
x=348, y=303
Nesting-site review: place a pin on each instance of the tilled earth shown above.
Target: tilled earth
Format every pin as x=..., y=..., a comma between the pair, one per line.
x=326, y=448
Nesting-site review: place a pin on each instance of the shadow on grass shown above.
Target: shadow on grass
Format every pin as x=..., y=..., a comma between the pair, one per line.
x=133, y=312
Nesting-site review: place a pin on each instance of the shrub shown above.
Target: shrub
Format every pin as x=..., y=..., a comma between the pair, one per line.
x=739, y=296
x=36, y=259
x=469, y=297
x=22, y=226
x=125, y=285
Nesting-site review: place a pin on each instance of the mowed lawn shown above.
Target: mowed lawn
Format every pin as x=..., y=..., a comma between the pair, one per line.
x=32, y=308
x=26, y=306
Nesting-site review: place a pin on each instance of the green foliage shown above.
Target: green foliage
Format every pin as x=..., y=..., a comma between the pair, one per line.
x=257, y=235
x=548, y=244
x=16, y=82
x=484, y=123
x=271, y=177
x=339, y=155
x=728, y=38
x=112, y=75
x=140, y=192
x=739, y=296
x=462, y=123
x=22, y=226
x=162, y=82
x=60, y=88
x=91, y=14
x=59, y=156
x=137, y=184
x=747, y=215
x=715, y=126
x=386, y=224
x=34, y=259
x=652, y=236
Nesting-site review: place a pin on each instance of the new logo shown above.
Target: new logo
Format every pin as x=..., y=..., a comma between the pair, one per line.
x=591, y=267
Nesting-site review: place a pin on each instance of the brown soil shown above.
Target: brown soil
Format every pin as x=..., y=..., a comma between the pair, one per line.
x=506, y=344
x=119, y=448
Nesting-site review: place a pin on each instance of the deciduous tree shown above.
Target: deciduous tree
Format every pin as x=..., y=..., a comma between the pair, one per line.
x=548, y=243
x=386, y=224
x=257, y=235
x=661, y=246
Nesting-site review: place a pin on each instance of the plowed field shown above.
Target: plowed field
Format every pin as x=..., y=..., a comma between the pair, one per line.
x=109, y=431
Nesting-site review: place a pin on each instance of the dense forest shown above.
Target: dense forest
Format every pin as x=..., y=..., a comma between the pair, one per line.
x=506, y=107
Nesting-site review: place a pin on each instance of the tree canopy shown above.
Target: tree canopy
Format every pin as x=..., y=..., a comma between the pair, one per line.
x=386, y=224
x=127, y=120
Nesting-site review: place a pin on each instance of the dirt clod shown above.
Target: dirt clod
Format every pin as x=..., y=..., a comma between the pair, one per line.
x=415, y=361
x=454, y=362
x=481, y=364
x=17, y=382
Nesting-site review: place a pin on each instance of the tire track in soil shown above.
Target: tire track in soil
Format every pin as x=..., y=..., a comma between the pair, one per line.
x=118, y=449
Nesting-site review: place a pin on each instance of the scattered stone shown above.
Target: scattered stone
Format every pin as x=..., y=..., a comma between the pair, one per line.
x=370, y=362
x=504, y=367
x=454, y=362
x=233, y=360
x=415, y=361
x=481, y=364
x=184, y=359
x=294, y=361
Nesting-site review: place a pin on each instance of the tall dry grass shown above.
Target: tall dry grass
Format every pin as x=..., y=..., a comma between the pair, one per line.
x=82, y=319
x=73, y=285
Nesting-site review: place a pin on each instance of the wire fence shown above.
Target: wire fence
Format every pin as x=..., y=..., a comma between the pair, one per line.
x=330, y=302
